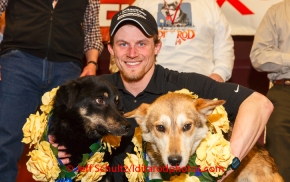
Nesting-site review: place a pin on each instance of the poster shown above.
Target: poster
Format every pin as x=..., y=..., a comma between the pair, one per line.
x=244, y=16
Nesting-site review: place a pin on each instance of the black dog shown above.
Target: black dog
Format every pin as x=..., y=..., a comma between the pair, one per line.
x=84, y=110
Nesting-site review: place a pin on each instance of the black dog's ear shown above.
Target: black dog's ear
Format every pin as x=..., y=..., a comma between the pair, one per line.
x=120, y=105
x=72, y=94
x=68, y=92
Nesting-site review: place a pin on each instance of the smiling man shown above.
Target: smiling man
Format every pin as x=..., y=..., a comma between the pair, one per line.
x=135, y=45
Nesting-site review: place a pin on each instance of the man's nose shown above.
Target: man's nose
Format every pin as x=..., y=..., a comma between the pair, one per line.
x=132, y=52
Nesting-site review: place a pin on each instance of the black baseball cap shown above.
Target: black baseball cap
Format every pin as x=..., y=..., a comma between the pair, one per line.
x=138, y=16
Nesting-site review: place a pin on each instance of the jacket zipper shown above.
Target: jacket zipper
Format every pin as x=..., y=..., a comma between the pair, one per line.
x=49, y=33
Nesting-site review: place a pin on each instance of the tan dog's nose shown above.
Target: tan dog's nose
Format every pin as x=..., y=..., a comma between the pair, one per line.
x=174, y=160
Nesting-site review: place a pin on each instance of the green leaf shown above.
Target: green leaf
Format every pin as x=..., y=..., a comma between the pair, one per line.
x=85, y=159
x=95, y=147
x=208, y=177
x=54, y=151
x=145, y=162
x=64, y=173
x=155, y=180
x=193, y=168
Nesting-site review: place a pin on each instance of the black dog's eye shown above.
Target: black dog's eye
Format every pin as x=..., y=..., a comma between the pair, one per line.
x=117, y=102
x=100, y=100
x=160, y=128
x=186, y=127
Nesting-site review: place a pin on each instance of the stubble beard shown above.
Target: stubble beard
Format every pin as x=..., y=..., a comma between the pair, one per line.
x=133, y=76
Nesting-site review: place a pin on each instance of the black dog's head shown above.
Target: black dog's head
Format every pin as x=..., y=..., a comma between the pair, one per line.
x=91, y=106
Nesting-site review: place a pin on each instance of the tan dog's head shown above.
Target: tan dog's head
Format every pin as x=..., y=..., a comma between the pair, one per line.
x=174, y=124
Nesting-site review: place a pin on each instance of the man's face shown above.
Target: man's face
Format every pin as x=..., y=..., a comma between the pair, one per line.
x=134, y=53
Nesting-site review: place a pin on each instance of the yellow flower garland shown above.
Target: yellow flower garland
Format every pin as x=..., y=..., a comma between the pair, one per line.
x=135, y=160
x=213, y=150
x=43, y=162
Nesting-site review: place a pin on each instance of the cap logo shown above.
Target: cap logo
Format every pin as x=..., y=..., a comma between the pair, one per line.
x=131, y=12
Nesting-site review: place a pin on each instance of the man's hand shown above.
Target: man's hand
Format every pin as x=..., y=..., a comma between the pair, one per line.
x=216, y=77
x=62, y=155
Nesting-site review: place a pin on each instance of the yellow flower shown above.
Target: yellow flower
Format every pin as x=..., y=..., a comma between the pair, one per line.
x=42, y=163
x=47, y=100
x=133, y=162
x=96, y=168
x=219, y=119
x=184, y=178
x=186, y=91
x=97, y=157
x=111, y=141
x=34, y=128
x=137, y=139
x=214, y=154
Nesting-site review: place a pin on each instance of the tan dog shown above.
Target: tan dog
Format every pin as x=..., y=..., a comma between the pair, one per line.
x=173, y=127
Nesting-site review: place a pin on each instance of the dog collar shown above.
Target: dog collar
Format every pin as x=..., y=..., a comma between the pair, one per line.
x=236, y=163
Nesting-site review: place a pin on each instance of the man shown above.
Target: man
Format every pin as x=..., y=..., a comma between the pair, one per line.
x=43, y=46
x=271, y=53
x=195, y=35
x=135, y=45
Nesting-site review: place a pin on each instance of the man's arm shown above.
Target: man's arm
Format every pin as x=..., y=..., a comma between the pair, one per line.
x=93, y=38
x=91, y=69
x=250, y=122
x=223, y=47
x=266, y=54
x=3, y=5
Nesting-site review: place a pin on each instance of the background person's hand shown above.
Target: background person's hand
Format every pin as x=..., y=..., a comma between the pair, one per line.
x=90, y=69
x=216, y=77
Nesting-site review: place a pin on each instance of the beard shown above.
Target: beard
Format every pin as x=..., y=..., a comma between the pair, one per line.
x=133, y=76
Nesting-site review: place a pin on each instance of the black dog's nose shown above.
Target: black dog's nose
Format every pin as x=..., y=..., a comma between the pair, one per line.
x=174, y=160
x=126, y=126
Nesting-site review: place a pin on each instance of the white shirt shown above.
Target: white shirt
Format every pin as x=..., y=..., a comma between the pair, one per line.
x=204, y=45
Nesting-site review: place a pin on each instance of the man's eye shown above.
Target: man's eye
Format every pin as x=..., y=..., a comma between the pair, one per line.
x=100, y=100
x=123, y=44
x=160, y=128
x=141, y=44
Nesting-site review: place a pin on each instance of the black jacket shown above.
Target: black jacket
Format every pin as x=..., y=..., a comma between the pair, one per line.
x=35, y=27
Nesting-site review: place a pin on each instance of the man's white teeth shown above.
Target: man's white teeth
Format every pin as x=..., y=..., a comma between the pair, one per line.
x=133, y=63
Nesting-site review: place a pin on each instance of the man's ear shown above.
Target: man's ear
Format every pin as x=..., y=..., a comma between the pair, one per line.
x=110, y=49
x=157, y=47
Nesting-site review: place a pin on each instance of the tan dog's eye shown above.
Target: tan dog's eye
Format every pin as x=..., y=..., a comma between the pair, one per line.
x=186, y=127
x=160, y=128
x=100, y=100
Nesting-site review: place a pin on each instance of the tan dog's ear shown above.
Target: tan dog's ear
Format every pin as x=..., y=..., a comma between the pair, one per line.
x=206, y=107
x=139, y=113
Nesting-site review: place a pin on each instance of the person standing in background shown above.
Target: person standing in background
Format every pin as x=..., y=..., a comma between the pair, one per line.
x=43, y=46
x=195, y=35
x=271, y=53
